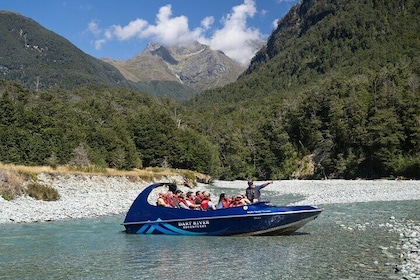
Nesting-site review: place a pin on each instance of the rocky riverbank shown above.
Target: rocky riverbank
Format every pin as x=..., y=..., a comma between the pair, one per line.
x=81, y=196
x=408, y=248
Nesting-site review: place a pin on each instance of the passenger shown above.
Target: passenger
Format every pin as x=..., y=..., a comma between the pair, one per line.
x=161, y=200
x=206, y=203
x=236, y=201
x=253, y=192
x=177, y=198
x=245, y=200
x=198, y=197
x=182, y=201
x=190, y=200
x=169, y=199
x=224, y=201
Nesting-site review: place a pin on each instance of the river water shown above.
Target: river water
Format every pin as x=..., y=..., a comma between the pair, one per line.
x=347, y=241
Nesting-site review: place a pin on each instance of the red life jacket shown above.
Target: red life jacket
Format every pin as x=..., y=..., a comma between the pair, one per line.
x=198, y=200
x=204, y=204
x=225, y=202
x=169, y=200
x=235, y=203
x=189, y=199
x=184, y=201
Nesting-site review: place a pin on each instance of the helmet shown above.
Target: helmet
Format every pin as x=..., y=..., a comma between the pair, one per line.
x=250, y=183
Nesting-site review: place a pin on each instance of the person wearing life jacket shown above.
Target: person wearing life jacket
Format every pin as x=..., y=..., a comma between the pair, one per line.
x=244, y=199
x=190, y=200
x=236, y=201
x=182, y=201
x=224, y=201
x=169, y=199
x=177, y=198
x=253, y=192
x=206, y=203
x=198, y=197
x=161, y=200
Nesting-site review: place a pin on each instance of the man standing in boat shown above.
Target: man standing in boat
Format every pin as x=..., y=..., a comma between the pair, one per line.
x=253, y=192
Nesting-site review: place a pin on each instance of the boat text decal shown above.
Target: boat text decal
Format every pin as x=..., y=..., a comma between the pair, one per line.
x=193, y=224
x=258, y=211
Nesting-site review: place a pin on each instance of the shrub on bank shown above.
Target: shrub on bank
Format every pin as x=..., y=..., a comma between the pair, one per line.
x=11, y=184
x=41, y=192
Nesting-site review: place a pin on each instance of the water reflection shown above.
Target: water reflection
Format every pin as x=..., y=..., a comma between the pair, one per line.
x=180, y=257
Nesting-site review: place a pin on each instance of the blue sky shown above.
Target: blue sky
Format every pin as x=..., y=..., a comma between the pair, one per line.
x=122, y=29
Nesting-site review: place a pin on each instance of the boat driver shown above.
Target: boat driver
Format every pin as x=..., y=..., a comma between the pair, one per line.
x=253, y=192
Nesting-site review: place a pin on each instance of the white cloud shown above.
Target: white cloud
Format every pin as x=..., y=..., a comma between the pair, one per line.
x=207, y=22
x=94, y=28
x=263, y=12
x=168, y=30
x=234, y=38
x=98, y=43
x=127, y=32
x=275, y=23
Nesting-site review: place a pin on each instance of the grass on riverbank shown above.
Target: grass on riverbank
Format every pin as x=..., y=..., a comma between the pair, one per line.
x=41, y=192
x=15, y=179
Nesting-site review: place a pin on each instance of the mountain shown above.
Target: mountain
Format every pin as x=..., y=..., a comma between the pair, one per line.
x=193, y=65
x=40, y=59
x=335, y=93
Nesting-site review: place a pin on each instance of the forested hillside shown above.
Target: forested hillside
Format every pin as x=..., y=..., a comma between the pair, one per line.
x=99, y=127
x=334, y=94
x=40, y=59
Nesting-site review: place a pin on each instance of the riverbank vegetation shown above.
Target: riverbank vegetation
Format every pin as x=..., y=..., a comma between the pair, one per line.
x=18, y=180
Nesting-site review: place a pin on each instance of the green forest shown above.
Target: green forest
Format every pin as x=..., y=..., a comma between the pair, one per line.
x=335, y=93
x=98, y=126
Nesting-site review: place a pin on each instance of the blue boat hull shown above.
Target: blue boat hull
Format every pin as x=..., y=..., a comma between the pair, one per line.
x=255, y=219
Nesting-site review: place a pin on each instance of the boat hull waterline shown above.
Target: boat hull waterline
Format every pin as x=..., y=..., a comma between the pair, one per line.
x=256, y=219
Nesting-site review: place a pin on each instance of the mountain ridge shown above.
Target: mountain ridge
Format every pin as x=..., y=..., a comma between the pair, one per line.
x=41, y=59
x=192, y=64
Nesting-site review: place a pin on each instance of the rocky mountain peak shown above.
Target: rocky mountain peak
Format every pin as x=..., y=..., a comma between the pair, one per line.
x=164, y=54
x=192, y=64
x=152, y=46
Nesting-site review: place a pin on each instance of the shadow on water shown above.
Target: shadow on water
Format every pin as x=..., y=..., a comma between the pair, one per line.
x=298, y=233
